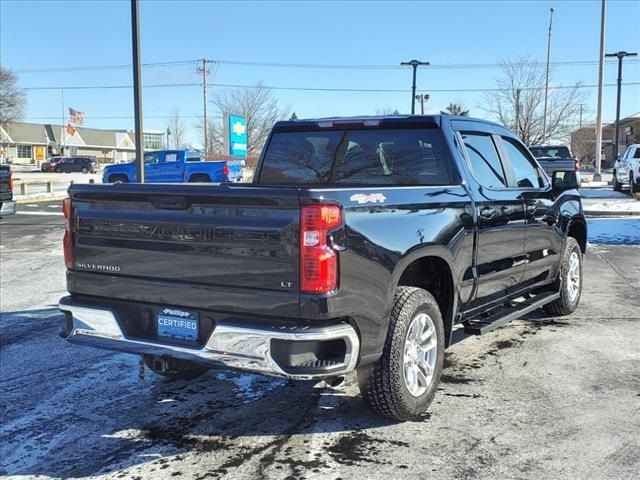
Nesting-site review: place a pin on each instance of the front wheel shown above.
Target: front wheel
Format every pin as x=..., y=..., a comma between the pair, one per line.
x=402, y=383
x=174, y=368
x=85, y=170
x=617, y=186
x=569, y=282
x=57, y=170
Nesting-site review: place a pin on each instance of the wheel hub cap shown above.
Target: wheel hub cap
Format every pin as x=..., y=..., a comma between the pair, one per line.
x=420, y=351
x=573, y=277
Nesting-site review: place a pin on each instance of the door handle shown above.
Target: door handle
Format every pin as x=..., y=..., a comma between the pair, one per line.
x=487, y=212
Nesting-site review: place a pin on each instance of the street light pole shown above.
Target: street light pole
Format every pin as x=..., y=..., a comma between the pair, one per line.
x=620, y=56
x=596, y=175
x=422, y=98
x=137, y=90
x=546, y=83
x=415, y=64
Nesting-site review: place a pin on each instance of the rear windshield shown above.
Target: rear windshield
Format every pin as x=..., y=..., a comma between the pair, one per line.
x=550, y=152
x=358, y=157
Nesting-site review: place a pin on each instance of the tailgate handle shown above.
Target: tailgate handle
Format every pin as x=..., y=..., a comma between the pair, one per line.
x=170, y=203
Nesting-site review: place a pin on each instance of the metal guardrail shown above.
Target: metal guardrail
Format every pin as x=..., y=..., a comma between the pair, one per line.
x=49, y=187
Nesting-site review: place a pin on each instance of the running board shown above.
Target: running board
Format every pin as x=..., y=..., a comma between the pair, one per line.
x=482, y=325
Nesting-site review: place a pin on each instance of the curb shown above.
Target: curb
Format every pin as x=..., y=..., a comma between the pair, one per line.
x=609, y=213
x=53, y=198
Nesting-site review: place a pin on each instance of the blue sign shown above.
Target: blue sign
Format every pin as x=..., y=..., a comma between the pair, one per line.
x=237, y=134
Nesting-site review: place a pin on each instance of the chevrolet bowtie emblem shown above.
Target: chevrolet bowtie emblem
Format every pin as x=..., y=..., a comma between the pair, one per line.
x=238, y=128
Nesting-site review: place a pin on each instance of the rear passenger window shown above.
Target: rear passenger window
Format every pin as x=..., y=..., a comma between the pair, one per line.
x=379, y=156
x=525, y=174
x=485, y=162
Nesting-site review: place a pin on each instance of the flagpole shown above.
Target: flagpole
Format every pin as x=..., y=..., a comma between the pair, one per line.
x=62, y=139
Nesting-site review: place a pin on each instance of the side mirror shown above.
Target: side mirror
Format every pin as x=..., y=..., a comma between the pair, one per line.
x=562, y=181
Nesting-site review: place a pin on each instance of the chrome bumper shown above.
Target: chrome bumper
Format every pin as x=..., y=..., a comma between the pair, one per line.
x=8, y=208
x=244, y=348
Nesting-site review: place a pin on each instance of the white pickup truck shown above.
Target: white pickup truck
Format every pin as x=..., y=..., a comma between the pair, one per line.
x=626, y=171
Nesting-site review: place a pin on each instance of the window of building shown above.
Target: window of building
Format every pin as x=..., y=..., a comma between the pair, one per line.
x=24, y=151
x=485, y=163
x=153, y=141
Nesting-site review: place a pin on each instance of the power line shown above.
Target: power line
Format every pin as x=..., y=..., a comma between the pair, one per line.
x=317, y=89
x=434, y=66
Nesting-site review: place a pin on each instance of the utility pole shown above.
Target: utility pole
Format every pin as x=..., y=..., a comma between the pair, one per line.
x=422, y=98
x=597, y=177
x=137, y=89
x=415, y=64
x=620, y=56
x=62, y=127
x=580, y=124
x=205, y=71
x=517, y=126
x=546, y=83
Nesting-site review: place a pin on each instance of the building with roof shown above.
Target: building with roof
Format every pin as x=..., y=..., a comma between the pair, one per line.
x=32, y=143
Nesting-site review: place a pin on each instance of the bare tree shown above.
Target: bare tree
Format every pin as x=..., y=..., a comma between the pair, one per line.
x=387, y=111
x=520, y=94
x=12, y=99
x=583, y=143
x=456, y=109
x=177, y=129
x=257, y=104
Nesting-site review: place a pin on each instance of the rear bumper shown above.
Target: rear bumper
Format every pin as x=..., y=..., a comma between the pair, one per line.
x=251, y=348
x=7, y=207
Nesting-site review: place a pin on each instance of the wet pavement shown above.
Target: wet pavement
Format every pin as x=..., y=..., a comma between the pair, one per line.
x=540, y=398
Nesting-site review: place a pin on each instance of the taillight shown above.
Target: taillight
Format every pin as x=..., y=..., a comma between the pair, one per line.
x=577, y=165
x=225, y=169
x=67, y=241
x=10, y=181
x=318, y=261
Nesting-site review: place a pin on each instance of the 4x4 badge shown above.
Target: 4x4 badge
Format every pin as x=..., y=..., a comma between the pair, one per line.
x=364, y=198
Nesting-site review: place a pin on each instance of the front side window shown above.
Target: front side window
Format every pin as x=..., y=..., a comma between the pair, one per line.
x=485, y=162
x=360, y=157
x=151, y=158
x=525, y=174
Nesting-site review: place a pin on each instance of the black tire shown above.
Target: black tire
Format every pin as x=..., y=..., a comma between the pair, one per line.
x=118, y=179
x=199, y=178
x=57, y=170
x=85, y=170
x=383, y=385
x=617, y=186
x=634, y=189
x=565, y=305
x=175, y=368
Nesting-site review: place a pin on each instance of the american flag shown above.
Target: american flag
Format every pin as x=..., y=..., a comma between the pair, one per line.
x=76, y=117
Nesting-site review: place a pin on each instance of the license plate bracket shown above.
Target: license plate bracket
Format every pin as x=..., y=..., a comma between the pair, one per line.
x=178, y=324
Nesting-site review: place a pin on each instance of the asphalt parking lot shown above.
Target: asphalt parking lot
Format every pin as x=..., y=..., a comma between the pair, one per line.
x=540, y=398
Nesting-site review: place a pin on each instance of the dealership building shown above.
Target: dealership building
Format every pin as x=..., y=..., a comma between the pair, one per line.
x=32, y=143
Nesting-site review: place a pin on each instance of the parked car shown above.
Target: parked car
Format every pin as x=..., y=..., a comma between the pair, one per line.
x=7, y=205
x=626, y=171
x=359, y=245
x=174, y=166
x=554, y=158
x=71, y=164
x=50, y=164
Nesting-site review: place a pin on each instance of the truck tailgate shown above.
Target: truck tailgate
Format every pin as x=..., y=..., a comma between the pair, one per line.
x=244, y=237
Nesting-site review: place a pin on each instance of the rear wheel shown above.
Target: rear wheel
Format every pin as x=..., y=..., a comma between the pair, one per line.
x=402, y=383
x=634, y=188
x=569, y=282
x=617, y=186
x=199, y=178
x=57, y=170
x=174, y=367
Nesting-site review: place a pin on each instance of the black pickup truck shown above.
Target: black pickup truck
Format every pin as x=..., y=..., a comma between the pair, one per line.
x=359, y=245
x=7, y=205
